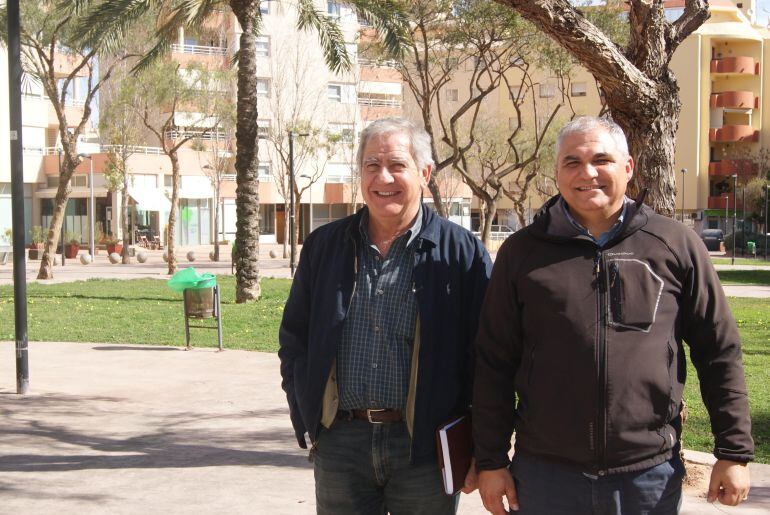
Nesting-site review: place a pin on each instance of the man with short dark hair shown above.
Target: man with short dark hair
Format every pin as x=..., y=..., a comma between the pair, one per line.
x=580, y=350
x=376, y=342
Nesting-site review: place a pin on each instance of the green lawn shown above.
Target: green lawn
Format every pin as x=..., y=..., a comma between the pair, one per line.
x=145, y=311
x=142, y=311
x=753, y=317
x=761, y=277
x=740, y=261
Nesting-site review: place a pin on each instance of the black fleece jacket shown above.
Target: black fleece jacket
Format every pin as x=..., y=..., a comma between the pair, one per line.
x=580, y=349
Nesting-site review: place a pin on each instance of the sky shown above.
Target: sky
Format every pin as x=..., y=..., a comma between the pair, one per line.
x=763, y=11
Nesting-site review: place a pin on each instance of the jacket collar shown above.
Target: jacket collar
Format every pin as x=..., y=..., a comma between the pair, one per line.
x=552, y=223
x=429, y=232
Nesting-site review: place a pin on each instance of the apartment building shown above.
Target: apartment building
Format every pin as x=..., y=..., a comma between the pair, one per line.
x=721, y=73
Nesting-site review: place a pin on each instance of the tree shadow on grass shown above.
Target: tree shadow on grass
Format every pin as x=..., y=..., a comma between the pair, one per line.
x=107, y=296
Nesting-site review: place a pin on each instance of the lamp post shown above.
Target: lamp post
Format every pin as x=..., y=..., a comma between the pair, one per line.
x=310, y=197
x=684, y=171
x=727, y=203
x=735, y=212
x=293, y=244
x=91, y=208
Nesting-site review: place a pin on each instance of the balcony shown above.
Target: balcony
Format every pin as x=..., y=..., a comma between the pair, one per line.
x=198, y=49
x=719, y=202
x=735, y=65
x=734, y=100
x=742, y=167
x=734, y=133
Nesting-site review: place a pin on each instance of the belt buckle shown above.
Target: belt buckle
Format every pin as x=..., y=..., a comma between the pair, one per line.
x=369, y=415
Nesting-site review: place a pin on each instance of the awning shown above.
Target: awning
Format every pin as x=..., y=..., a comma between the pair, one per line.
x=150, y=200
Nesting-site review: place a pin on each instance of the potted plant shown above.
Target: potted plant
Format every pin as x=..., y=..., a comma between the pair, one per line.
x=113, y=244
x=38, y=239
x=72, y=245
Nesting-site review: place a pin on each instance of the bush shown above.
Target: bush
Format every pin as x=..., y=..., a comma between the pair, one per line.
x=757, y=238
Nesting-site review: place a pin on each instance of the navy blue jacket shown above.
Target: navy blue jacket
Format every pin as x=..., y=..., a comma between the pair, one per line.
x=450, y=275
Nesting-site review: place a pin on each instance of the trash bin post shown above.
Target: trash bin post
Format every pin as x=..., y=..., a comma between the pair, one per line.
x=218, y=315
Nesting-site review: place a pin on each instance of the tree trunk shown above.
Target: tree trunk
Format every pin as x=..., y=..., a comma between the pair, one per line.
x=490, y=209
x=60, y=204
x=170, y=244
x=126, y=258
x=247, y=285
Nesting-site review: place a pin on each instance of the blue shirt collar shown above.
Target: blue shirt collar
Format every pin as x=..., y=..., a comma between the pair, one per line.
x=603, y=238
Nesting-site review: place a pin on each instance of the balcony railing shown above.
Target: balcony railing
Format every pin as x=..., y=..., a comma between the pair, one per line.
x=339, y=179
x=377, y=63
x=734, y=133
x=734, y=100
x=737, y=64
x=198, y=49
x=378, y=102
x=719, y=202
x=199, y=134
x=51, y=151
x=732, y=166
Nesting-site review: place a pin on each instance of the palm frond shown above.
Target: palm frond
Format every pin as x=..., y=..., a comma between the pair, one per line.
x=388, y=19
x=162, y=46
x=106, y=24
x=329, y=34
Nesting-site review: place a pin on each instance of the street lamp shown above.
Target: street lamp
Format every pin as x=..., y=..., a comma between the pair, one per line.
x=735, y=212
x=684, y=171
x=91, y=208
x=310, y=197
x=293, y=244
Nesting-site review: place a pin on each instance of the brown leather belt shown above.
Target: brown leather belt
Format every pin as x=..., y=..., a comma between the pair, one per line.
x=374, y=416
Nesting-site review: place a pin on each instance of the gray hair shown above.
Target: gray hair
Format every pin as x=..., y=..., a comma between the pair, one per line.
x=584, y=124
x=418, y=137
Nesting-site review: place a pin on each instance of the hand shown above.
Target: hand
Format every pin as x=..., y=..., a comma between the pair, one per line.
x=493, y=485
x=471, y=479
x=729, y=482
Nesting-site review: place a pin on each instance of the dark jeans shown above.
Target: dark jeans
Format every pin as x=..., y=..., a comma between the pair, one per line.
x=548, y=488
x=363, y=468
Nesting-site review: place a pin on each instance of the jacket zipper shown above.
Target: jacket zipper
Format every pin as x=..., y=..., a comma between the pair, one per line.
x=601, y=434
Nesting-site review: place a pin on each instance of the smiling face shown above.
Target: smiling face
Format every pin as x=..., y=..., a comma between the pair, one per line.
x=592, y=174
x=391, y=183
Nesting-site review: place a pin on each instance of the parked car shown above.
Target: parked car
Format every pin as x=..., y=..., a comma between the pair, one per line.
x=712, y=238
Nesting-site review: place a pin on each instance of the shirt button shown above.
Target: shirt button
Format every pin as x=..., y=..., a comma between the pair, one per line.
x=374, y=365
x=376, y=329
x=379, y=291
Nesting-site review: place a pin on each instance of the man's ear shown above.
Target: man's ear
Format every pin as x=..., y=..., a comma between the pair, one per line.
x=425, y=173
x=629, y=168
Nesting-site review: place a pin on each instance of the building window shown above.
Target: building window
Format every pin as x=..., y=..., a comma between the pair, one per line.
x=344, y=130
x=263, y=88
x=511, y=124
x=264, y=6
x=547, y=91
x=267, y=218
x=514, y=93
x=452, y=94
x=451, y=63
x=578, y=89
x=333, y=10
x=168, y=181
x=263, y=129
x=262, y=46
x=79, y=181
x=263, y=173
x=334, y=92
x=52, y=181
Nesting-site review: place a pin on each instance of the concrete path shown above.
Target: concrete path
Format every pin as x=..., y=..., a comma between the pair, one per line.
x=142, y=429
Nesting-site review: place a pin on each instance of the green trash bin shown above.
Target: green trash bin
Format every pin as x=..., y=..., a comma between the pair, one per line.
x=751, y=248
x=198, y=291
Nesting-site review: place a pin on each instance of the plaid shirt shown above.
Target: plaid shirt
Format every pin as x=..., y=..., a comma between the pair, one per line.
x=603, y=239
x=374, y=356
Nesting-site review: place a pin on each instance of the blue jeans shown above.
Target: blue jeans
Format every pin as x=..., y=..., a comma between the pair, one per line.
x=548, y=488
x=363, y=468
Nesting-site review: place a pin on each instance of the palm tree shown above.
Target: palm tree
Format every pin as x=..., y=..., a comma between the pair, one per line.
x=108, y=21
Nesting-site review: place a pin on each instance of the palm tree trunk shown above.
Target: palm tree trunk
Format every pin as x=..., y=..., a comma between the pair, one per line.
x=247, y=285
x=170, y=245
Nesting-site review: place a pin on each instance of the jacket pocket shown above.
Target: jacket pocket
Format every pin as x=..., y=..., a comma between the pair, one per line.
x=634, y=293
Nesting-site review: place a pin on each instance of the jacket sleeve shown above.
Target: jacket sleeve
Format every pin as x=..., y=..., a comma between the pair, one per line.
x=715, y=349
x=293, y=337
x=498, y=355
x=476, y=280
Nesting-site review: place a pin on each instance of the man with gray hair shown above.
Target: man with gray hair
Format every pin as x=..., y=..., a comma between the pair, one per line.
x=376, y=341
x=580, y=350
